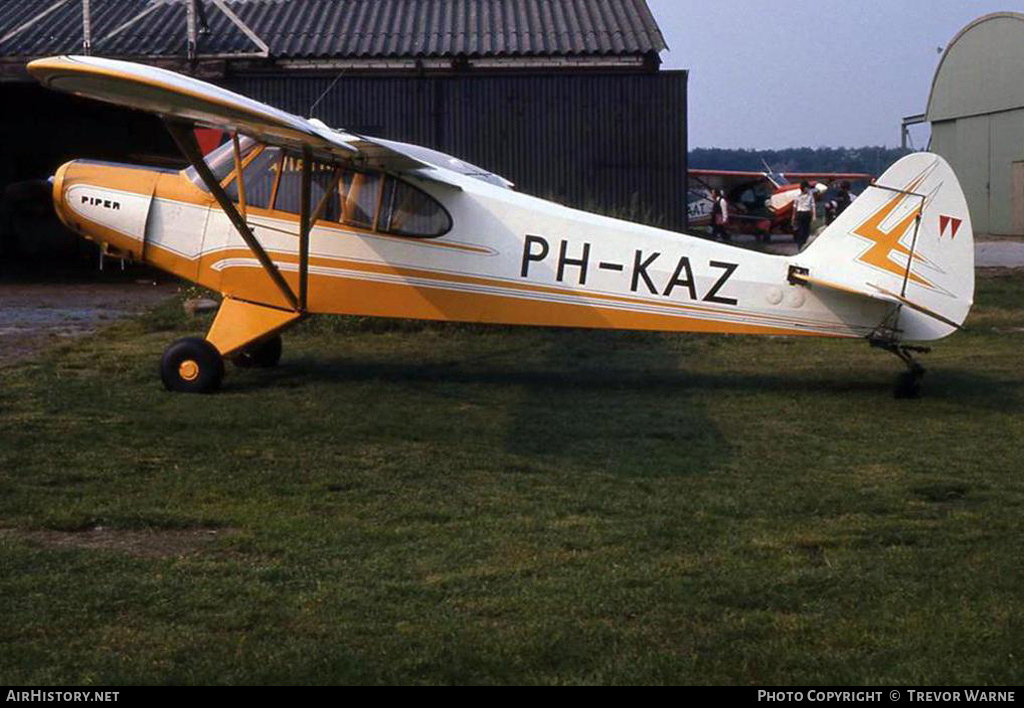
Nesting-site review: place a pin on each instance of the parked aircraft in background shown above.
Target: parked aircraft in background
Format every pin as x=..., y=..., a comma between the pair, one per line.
x=291, y=218
x=760, y=203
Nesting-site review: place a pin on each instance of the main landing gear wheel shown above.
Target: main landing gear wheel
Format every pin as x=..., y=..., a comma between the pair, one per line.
x=264, y=354
x=192, y=365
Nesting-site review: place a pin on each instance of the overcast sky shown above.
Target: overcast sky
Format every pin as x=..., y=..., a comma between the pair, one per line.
x=775, y=73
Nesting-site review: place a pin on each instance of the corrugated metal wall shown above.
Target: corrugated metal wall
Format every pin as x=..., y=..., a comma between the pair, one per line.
x=614, y=143
x=983, y=150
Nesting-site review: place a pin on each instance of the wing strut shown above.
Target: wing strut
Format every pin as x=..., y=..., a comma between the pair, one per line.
x=238, y=172
x=185, y=138
x=305, y=223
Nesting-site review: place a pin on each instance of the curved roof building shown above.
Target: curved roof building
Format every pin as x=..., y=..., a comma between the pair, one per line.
x=976, y=109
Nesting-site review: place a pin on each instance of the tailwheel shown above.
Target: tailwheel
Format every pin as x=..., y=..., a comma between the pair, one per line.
x=264, y=354
x=192, y=365
x=908, y=385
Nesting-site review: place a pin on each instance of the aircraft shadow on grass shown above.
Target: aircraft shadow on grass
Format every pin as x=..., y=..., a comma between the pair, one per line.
x=967, y=387
x=582, y=403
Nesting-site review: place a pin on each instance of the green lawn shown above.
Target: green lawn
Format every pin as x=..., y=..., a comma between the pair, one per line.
x=429, y=504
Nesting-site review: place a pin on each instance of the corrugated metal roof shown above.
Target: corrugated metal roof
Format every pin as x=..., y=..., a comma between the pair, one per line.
x=351, y=29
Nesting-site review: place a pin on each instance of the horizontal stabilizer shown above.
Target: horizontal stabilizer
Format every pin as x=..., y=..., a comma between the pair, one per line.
x=882, y=295
x=919, y=308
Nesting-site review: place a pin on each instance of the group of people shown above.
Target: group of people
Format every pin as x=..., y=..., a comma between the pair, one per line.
x=805, y=211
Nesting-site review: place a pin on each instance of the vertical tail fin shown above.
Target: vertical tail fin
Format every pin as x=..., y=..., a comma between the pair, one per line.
x=907, y=239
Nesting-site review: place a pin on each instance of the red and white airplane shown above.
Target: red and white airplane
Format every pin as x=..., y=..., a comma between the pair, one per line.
x=292, y=218
x=760, y=203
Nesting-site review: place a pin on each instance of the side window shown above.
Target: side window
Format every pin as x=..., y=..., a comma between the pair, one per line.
x=289, y=190
x=409, y=212
x=260, y=175
x=360, y=197
x=323, y=179
x=365, y=200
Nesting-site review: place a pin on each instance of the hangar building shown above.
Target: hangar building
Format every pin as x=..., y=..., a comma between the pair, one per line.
x=976, y=111
x=565, y=98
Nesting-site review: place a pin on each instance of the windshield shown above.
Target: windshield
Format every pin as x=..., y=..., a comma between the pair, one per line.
x=221, y=161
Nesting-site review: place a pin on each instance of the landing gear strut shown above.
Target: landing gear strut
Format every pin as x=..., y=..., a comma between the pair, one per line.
x=908, y=385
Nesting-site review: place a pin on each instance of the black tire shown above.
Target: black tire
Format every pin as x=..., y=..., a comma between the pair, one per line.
x=265, y=354
x=192, y=365
x=908, y=385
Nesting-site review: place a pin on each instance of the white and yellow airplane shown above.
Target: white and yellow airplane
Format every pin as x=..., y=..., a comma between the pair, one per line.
x=292, y=218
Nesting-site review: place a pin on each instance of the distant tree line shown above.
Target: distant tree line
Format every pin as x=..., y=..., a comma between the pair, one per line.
x=872, y=160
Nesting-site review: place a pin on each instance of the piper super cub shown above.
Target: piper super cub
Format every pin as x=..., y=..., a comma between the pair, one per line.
x=292, y=218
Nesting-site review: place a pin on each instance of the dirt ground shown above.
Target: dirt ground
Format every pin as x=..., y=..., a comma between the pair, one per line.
x=163, y=543
x=34, y=316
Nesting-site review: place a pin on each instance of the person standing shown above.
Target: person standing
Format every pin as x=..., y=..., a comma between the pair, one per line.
x=805, y=211
x=843, y=199
x=719, y=215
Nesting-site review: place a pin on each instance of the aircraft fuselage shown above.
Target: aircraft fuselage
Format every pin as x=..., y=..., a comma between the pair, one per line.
x=508, y=259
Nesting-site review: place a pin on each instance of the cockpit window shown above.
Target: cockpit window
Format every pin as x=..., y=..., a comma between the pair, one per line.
x=360, y=198
x=221, y=161
x=324, y=185
x=259, y=174
x=409, y=212
x=289, y=191
x=363, y=199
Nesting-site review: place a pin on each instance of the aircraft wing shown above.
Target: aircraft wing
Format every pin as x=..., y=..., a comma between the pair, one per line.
x=187, y=99
x=726, y=180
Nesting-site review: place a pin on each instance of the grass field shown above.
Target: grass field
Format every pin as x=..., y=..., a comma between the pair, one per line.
x=432, y=504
